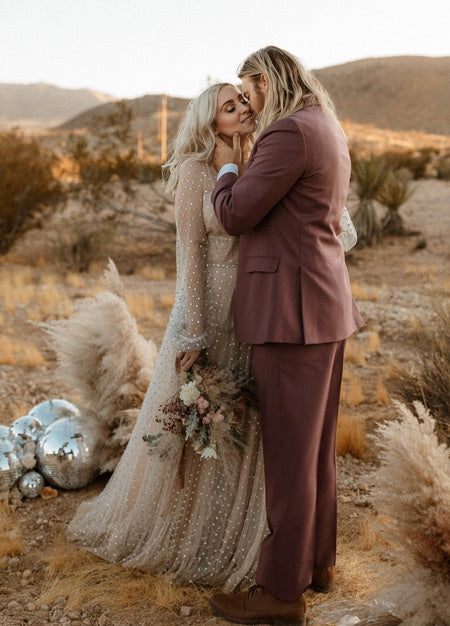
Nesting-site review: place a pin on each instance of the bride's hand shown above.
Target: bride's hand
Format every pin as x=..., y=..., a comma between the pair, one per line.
x=186, y=359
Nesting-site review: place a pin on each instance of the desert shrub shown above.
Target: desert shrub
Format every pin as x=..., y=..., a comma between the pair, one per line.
x=428, y=379
x=75, y=245
x=104, y=157
x=368, y=176
x=27, y=183
x=148, y=172
x=416, y=161
x=109, y=175
x=395, y=191
x=443, y=168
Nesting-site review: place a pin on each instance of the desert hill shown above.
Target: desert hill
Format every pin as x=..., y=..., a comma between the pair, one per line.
x=404, y=93
x=40, y=105
x=407, y=93
x=397, y=93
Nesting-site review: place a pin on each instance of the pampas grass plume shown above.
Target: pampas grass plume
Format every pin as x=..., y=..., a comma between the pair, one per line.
x=413, y=491
x=102, y=356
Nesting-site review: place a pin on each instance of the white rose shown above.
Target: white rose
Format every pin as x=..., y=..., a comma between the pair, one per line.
x=189, y=393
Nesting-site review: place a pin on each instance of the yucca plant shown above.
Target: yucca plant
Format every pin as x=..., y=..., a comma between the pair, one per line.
x=368, y=176
x=395, y=191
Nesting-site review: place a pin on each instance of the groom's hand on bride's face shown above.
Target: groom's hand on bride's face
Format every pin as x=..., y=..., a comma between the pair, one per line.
x=225, y=153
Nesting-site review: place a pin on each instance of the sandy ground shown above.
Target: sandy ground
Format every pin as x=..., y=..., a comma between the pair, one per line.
x=396, y=281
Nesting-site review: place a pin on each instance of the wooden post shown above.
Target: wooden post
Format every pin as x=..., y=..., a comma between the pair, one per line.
x=139, y=146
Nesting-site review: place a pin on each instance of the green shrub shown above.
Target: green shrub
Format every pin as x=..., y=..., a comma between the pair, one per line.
x=27, y=183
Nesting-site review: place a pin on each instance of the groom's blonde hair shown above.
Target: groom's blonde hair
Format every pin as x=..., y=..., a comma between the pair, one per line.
x=290, y=84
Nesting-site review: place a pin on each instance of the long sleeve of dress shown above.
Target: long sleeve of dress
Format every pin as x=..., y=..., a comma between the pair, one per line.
x=348, y=236
x=191, y=258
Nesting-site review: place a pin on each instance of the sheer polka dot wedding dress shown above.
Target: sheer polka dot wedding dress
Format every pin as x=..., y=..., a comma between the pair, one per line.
x=206, y=527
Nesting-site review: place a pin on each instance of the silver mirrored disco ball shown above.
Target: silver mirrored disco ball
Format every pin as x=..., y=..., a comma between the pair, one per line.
x=31, y=484
x=10, y=466
x=5, y=432
x=26, y=427
x=51, y=410
x=70, y=451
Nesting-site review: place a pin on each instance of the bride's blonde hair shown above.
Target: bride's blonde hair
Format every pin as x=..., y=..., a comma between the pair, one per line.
x=290, y=84
x=195, y=137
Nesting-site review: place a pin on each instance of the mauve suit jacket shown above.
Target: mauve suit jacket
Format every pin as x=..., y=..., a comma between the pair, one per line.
x=292, y=282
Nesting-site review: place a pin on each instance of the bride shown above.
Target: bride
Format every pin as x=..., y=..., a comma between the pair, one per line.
x=207, y=527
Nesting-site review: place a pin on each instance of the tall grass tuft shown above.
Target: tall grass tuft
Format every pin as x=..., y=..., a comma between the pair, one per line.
x=10, y=535
x=428, y=379
x=412, y=489
x=17, y=352
x=351, y=436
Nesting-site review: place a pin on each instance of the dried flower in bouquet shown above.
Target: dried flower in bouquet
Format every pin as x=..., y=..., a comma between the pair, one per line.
x=206, y=410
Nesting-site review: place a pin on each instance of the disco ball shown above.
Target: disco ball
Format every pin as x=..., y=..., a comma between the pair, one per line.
x=31, y=484
x=25, y=428
x=69, y=451
x=5, y=432
x=51, y=410
x=10, y=466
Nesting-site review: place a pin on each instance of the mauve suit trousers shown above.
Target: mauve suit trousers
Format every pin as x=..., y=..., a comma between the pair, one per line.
x=299, y=388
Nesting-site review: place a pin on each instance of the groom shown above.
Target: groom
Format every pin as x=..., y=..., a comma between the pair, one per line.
x=294, y=305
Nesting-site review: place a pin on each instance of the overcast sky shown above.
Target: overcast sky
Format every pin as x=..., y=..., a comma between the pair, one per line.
x=128, y=48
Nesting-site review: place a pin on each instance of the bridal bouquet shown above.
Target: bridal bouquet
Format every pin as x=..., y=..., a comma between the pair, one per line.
x=206, y=410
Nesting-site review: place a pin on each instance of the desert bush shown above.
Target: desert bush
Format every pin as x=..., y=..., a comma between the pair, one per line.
x=395, y=191
x=104, y=157
x=109, y=175
x=428, y=379
x=416, y=161
x=27, y=183
x=368, y=176
x=443, y=168
x=77, y=244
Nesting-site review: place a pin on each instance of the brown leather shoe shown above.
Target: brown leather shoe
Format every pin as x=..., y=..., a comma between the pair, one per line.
x=257, y=606
x=322, y=579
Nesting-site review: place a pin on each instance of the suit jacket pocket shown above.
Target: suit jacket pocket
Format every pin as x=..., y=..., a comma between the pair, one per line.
x=262, y=264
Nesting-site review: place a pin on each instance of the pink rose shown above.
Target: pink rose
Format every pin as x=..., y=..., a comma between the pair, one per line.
x=202, y=403
x=207, y=419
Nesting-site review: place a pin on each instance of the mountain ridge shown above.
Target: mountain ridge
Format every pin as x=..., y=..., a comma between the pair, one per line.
x=400, y=93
